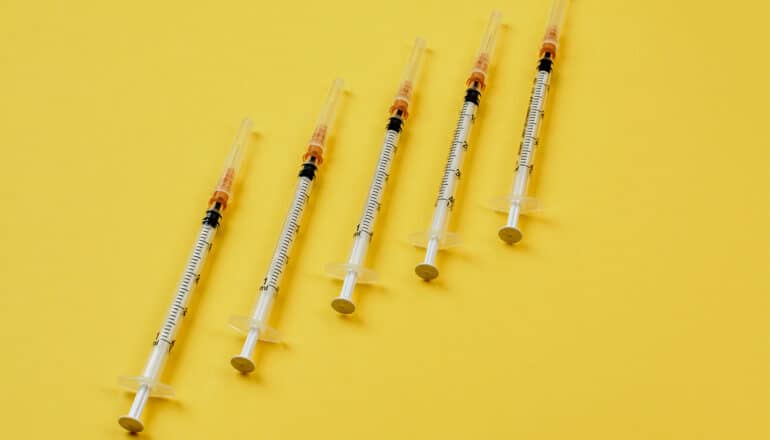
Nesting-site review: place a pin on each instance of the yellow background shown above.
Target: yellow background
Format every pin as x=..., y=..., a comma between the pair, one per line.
x=635, y=308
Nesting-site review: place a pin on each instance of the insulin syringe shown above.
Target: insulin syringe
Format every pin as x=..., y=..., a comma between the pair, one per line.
x=354, y=271
x=148, y=384
x=518, y=202
x=255, y=326
x=437, y=236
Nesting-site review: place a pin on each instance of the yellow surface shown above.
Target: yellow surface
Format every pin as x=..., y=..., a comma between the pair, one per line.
x=635, y=308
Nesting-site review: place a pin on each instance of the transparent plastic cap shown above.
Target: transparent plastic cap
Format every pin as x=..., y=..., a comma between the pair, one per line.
x=484, y=56
x=554, y=27
x=409, y=78
x=328, y=112
x=223, y=191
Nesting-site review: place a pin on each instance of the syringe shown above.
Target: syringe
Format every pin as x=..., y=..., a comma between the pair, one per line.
x=148, y=384
x=437, y=236
x=517, y=202
x=256, y=325
x=354, y=271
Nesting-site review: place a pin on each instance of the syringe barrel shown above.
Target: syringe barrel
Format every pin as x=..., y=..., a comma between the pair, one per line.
x=223, y=193
x=255, y=328
x=288, y=233
x=531, y=133
x=187, y=284
x=478, y=77
x=408, y=82
x=452, y=173
x=379, y=181
x=264, y=304
x=440, y=219
x=520, y=182
x=317, y=144
x=359, y=249
x=156, y=361
x=553, y=28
